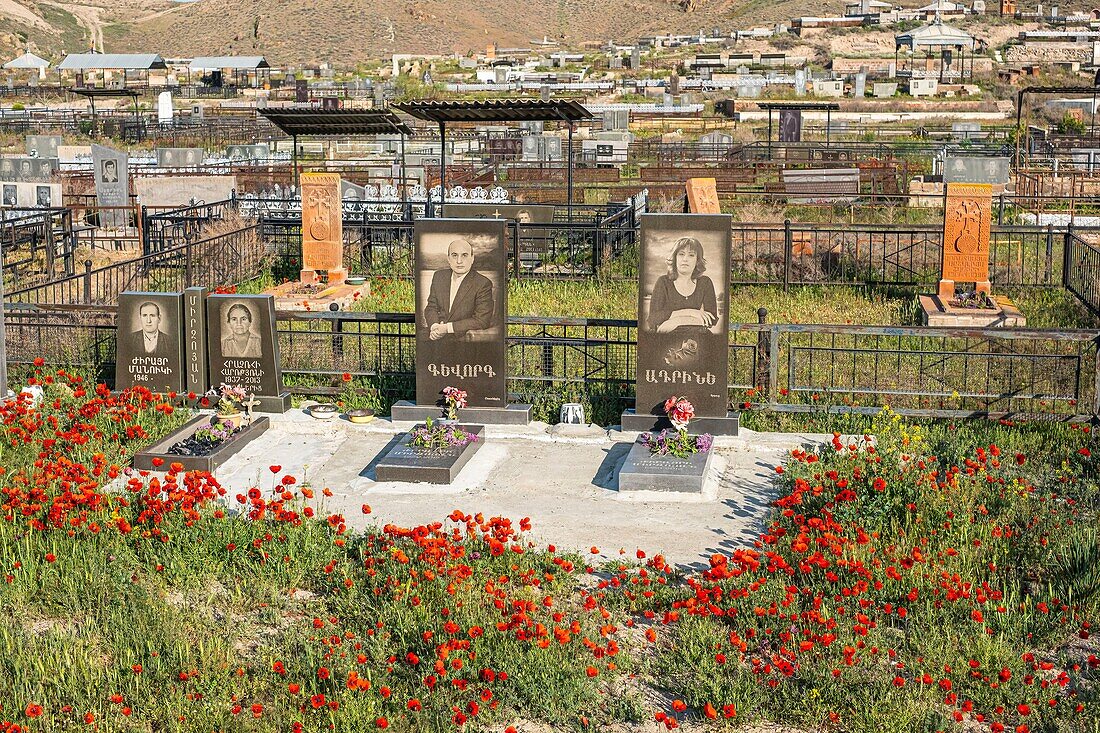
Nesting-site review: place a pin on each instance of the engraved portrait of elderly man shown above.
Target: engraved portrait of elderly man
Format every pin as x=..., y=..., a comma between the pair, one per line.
x=460, y=299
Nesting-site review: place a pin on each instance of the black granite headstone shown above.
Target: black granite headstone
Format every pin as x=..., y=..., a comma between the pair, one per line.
x=460, y=335
x=683, y=312
x=241, y=343
x=195, y=365
x=149, y=342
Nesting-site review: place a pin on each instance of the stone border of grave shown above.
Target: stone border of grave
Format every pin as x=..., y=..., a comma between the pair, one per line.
x=404, y=463
x=143, y=460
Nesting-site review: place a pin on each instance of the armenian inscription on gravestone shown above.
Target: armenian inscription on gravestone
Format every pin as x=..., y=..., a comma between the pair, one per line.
x=683, y=312
x=461, y=310
x=322, y=228
x=194, y=339
x=149, y=346
x=966, y=223
x=241, y=343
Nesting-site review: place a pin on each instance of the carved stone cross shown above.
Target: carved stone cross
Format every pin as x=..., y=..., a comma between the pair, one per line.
x=248, y=405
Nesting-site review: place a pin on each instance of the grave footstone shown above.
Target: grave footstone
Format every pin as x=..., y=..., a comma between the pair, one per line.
x=149, y=343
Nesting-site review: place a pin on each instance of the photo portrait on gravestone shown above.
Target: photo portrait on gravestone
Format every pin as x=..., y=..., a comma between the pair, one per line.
x=239, y=340
x=42, y=196
x=241, y=343
x=110, y=171
x=683, y=312
x=9, y=194
x=149, y=346
x=461, y=311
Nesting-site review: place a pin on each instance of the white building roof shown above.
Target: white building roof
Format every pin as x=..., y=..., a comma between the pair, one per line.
x=129, y=61
x=28, y=61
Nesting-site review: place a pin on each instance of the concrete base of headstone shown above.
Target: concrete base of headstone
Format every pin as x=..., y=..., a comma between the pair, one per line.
x=273, y=403
x=295, y=296
x=402, y=462
x=728, y=425
x=143, y=461
x=644, y=471
x=516, y=414
x=935, y=312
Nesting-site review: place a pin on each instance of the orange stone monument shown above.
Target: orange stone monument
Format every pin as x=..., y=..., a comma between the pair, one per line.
x=966, y=220
x=702, y=195
x=322, y=228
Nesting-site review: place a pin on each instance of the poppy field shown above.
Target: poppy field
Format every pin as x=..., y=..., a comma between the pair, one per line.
x=908, y=579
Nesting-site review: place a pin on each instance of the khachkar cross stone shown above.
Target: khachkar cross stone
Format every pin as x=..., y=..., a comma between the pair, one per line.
x=322, y=228
x=966, y=221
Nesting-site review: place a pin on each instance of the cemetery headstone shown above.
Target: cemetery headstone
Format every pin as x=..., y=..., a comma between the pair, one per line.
x=43, y=146
x=112, y=185
x=243, y=349
x=179, y=157
x=859, y=89
x=800, y=82
x=683, y=320
x=790, y=125
x=165, y=111
x=702, y=195
x=322, y=228
x=29, y=169
x=461, y=310
x=975, y=169
x=966, y=221
x=149, y=345
x=882, y=90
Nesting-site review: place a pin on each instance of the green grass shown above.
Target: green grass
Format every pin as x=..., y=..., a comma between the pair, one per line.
x=208, y=619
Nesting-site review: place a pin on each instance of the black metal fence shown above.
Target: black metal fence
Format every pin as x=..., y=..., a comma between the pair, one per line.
x=814, y=254
x=215, y=261
x=1082, y=269
x=926, y=372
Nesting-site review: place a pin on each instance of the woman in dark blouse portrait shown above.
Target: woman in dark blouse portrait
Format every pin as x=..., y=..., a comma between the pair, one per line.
x=684, y=299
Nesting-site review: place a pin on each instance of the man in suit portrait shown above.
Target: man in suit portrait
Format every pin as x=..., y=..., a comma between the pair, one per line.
x=461, y=298
x=149, y=340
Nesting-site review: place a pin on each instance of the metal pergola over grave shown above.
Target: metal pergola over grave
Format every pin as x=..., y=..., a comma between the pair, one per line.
x=315, y=122
x=828, y=107
x=497, y=110
x=94, y=93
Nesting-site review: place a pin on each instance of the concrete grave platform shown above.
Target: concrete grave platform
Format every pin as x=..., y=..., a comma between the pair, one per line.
x=564, y=477
x=294, y=296
x=936, y=312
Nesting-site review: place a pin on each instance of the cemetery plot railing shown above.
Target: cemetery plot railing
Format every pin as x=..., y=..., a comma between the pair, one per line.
x=37, y=244
x=163, y=229
x=225, y=259
x=1082, y=269
x=919, y=372
x=559, y=250
x=930, y=372
x=819, y=254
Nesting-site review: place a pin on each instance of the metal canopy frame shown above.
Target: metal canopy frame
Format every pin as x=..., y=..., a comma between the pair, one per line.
x=92, y=93
x=314, y=122
x=829, y=108
x=496, y=110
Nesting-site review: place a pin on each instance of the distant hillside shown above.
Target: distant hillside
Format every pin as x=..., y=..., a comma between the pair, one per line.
x=349, y=31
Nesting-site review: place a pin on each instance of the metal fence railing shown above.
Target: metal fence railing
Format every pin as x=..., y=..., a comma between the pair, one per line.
x=224, y=259
x=1082, y=269
x=922, y=372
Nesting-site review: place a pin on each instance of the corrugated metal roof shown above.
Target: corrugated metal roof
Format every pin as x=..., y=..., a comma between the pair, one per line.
x=28, y=61
x=136, y=61
x=206, y=63
x=935, y=34
x=335, y=122
x=495, y=110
